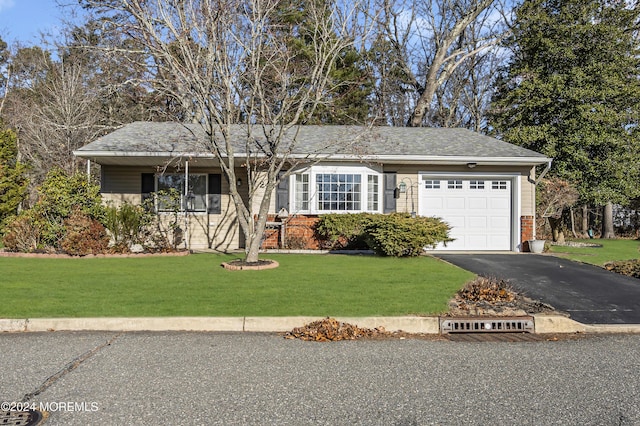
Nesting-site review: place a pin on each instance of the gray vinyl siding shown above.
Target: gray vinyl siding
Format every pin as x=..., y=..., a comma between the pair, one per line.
x=122, y=180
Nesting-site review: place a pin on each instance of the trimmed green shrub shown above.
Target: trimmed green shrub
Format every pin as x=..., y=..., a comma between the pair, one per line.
x=400, y=235
x=338, y=231
x=396, y=234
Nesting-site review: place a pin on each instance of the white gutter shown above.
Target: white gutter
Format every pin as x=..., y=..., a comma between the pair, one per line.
x=389, y=159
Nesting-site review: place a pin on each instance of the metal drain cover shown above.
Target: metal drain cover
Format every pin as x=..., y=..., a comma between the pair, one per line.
x=21, y=418
x=487, y=325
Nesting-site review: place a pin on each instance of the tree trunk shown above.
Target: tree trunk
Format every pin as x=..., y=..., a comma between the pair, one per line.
x=573, y=223
x=253, y=246
x=254, y=242
x=607, y=221
x=585, y=221
x=557, y=234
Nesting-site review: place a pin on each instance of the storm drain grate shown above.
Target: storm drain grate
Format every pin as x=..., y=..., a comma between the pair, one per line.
x=20, y=418
x=487, y=325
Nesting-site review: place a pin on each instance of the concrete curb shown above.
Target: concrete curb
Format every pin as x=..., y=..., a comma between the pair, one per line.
x=429, y=325
x=409, y=324
x=560, y=324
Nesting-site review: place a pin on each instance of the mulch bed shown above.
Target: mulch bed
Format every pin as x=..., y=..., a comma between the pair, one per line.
x=241, y=265
x=4, y=253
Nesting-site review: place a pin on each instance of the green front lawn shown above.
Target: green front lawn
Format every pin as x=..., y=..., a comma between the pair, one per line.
x=611, y=250
x=196, y=285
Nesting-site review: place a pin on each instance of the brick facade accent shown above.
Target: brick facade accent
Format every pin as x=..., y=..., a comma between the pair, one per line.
x=298, y=233
x=526, y=231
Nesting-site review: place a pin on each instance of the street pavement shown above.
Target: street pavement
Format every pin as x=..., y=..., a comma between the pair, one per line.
x=589, y=294
x=188, y=378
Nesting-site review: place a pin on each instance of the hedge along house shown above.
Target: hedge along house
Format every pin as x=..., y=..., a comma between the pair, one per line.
x=483, y=187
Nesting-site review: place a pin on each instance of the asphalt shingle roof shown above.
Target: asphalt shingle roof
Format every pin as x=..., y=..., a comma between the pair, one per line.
x=149, y=138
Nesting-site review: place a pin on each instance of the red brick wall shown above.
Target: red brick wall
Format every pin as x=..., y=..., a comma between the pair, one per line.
x=526, y=231
x=299, y=233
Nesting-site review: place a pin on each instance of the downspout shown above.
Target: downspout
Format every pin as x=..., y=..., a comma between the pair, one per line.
x=88, y=169
x=544, y=172
x=535, y=183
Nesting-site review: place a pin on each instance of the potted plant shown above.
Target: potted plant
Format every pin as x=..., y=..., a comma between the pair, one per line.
x=536, y=246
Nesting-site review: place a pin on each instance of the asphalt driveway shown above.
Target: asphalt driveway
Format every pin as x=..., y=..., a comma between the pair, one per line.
x=589, y=294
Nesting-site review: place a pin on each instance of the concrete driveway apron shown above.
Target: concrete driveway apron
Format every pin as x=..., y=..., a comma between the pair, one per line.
x=589, y=294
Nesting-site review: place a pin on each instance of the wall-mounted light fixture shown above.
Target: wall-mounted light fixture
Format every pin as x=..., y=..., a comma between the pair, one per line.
x=471, y=165
x=239, y=182
x=402, y=187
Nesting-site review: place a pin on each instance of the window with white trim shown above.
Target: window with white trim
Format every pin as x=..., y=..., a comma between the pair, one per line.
x=432, y=184
x=196, y=199
x=454, y=184
x=302, y=191
x=373, y=192
x=476, y=184
x=499, y=184
x=348, y=189
x=338, y=192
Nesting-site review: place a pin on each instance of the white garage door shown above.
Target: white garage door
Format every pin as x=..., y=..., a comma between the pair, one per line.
x=478, y=211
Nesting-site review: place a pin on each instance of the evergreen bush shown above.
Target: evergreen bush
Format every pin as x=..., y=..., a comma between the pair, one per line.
x=399, y=234
x=396, y=234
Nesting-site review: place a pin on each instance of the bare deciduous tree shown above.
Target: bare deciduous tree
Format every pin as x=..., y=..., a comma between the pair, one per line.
x=554, y=196
x=226, y=62
x=436, y=42
x=51, y=108
x=62, y=118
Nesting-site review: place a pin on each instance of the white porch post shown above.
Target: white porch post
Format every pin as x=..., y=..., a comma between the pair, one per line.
x=186, y=204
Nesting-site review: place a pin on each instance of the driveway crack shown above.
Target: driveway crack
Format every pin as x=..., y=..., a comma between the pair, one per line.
x=75, y=363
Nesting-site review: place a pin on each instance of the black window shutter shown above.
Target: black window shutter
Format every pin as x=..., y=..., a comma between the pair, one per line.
x=148, y=185
x=215, y=194
x=389, y=190
x=282, y=194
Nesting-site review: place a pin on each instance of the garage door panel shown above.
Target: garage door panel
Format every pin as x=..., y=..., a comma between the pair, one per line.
x=477, y=222
x=479, y=216
x=456, y=221
x=499, y=222
x=436, y=203
x=499, y=203
x=455, y=203
x=477, y=241
x=478, y=203
x=499, y=240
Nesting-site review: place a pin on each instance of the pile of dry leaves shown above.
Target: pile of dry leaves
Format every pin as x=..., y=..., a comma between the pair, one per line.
x=492, y=296
x=483, y=296
x=330, y=329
